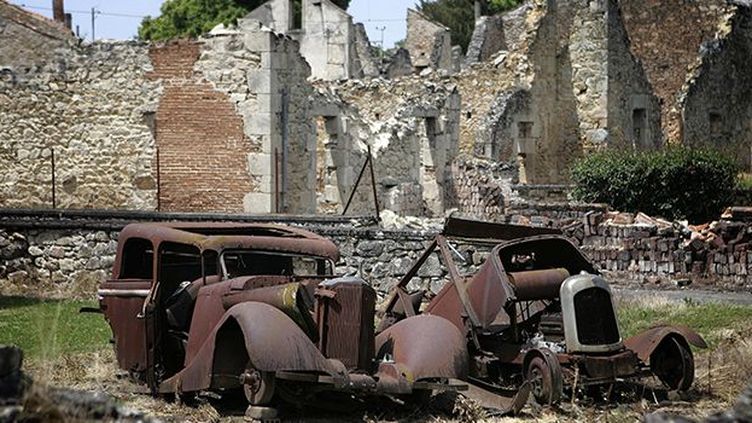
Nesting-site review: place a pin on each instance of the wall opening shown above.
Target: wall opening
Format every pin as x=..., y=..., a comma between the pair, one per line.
x=715, y=124
x=639, y=127
x=431, y=168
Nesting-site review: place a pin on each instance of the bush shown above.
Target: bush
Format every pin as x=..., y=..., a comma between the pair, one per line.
x=676, y=183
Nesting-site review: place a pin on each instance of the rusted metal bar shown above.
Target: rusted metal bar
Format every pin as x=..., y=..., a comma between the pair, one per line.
x=458, y=281
x=355, y=187
x=52, y=158
x=409, y=275
x=276, y=179
x=373, y=184
x=159, y=184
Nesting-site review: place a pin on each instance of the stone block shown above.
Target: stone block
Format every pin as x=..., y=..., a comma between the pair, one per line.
x=260, y=80
x=258, y=203
x=260, y=164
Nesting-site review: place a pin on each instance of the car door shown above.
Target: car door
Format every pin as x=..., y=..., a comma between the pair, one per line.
x=122, y=301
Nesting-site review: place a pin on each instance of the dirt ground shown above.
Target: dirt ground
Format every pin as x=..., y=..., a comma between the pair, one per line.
x=720, y=377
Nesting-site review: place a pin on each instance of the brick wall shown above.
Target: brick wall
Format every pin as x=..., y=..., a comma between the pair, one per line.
x=202, y=148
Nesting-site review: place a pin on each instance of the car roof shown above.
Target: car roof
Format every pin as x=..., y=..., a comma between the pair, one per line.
x=223, y=235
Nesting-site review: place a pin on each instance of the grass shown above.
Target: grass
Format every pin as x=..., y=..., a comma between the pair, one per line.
x=48, y=329
x=711, y=320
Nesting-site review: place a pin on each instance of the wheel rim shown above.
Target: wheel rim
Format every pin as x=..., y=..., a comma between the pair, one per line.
x=539, y=376
x=258, y=386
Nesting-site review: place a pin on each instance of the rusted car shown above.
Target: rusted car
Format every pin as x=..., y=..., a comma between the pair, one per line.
x=538, y=314
x=222, y=307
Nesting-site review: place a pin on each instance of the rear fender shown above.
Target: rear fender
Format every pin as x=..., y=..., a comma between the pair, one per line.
x=421, y=347
x=249, y=331
x=643, y=344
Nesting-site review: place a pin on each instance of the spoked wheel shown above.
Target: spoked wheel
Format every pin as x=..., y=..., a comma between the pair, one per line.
x=544, y=381
x=672, y=362
x=258, y=386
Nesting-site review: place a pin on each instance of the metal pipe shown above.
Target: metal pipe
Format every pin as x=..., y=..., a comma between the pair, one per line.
x=58, y=11
x=355, y=187
x=373, y=184
x=52, y=158
x=276, y=180
x=159, y=184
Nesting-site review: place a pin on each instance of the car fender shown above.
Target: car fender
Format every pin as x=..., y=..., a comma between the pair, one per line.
x=424, y=347
x=643, y=344
x=249, y=331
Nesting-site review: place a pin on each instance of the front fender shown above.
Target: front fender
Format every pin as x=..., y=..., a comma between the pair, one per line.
x=425, y=347
x=643, y=344
x=249, y=331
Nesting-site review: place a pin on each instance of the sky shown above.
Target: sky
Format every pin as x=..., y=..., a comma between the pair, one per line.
x=120, y=19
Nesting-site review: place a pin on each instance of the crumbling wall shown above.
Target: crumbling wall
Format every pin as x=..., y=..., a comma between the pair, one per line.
x=274, y=14
x=634, y=116
x=328, y=41
x=482, y=188
x=28, y=40
x=428, y=42
x=717, y=111
x=369, y=65
x=487, y=39
x=412, y=128
x=655, y=28
x=202, y=147
x=93, y=108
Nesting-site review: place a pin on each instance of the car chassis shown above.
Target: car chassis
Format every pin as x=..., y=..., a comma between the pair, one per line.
x=539, y=317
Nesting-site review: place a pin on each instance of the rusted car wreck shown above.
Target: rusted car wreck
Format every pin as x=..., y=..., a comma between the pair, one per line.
x=539, y=316
x=196, y=307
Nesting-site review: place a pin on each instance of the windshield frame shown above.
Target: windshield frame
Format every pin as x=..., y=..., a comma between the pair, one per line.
x=328, y=263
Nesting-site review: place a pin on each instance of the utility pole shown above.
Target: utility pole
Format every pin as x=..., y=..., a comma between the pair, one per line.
x=382, y=29
x=93, y=17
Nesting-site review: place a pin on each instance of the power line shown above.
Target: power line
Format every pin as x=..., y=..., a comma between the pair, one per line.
x=88, y=12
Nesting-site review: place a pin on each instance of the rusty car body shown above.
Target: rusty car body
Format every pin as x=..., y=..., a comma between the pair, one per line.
x=223, y=306
x=538, y=313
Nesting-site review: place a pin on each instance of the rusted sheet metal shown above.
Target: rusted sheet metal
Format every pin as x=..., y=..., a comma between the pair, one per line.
x=645, y=343
x=292, y=299
x=474, y=229
x=486, y=294
x=121, y=302
x=271, y=340
x=219, y=236
x=424, y=347
x=345, y=309
x=538, y=284
x=611, y=366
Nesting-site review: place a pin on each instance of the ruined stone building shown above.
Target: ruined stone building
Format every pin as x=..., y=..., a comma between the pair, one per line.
x=272, y=116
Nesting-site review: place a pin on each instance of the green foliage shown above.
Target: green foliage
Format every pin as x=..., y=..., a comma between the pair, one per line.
x=675, y=183
x=496, y=6
x=47, y=329
x=191, y=18
x=459, y=15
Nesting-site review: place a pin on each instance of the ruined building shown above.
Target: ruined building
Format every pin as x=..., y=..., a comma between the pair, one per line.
x=273, y=116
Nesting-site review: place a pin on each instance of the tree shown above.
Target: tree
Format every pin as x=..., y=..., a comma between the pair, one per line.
x=459, y=15
x=192, y=18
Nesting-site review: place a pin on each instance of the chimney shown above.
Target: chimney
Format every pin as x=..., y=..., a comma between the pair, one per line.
x=58, y=11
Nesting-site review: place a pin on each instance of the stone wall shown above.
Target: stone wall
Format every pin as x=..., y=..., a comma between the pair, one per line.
x=328, y=41
x=28, y=40
x=428, y=42
x=654, y=27
x=71, y=257
x=92, y=107
x=411, y=126
x=717, y=111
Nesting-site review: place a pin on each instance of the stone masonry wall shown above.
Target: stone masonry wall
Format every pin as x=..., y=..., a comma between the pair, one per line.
x=428, y=42
x=654, y=26
x=717, y=111
x=75, y=259
x=28, y=40
x=93, y=107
